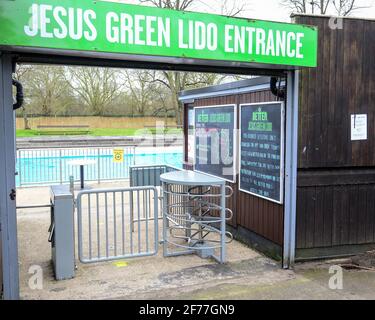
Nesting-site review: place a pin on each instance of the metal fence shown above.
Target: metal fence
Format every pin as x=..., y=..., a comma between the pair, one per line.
x=117, y=223
x=149, y=175
x=52, y=166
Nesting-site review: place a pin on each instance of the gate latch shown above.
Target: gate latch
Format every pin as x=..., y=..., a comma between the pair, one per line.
x=12, y=195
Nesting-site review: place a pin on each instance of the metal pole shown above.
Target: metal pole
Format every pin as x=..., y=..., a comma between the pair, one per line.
x=18, y=154
x=60, y=165
x=223, y=222
x=71, y=185
x=8, y=220
x=82, y=176
x=165, y=211
x=98, y=165
x=200, y=228
x=291, y=152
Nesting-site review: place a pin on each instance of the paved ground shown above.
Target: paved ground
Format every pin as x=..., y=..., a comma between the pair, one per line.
x=247, y=275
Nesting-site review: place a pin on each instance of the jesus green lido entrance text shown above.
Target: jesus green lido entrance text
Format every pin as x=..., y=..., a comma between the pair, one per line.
x=196, y=35
x=118, y=28
x=156, y=32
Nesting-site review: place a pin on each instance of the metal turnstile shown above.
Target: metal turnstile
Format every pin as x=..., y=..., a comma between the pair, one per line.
x=62, y=232
x=195, y=215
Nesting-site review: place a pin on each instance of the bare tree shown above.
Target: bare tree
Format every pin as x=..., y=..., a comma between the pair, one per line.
x=345, y=7
x=47, y=86
x=308, y=6
x=178, y=81
x=97, y=87
x=143, y=88
x=21, y=73
x=338, y=7
x=170, y=4
x=231, y=8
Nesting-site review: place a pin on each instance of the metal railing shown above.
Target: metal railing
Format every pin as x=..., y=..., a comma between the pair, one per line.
x=193, y=222
x=117, y=223
x=51, y=166
x=148, y=175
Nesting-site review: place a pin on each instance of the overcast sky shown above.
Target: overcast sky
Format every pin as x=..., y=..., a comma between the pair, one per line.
x=266, y=9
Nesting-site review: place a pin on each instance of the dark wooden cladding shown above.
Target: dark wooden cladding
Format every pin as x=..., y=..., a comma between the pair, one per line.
x=335, y=207
x=336, y=177
x=258, y=215
x=341, y=85
x=335, y=215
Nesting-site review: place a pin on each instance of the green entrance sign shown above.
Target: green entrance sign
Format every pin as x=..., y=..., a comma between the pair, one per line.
x=108, y=27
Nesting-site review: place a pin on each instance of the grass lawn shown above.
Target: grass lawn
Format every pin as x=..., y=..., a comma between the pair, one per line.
x=97, y=132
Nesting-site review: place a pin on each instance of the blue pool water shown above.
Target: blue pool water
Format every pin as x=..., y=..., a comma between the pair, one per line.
x=43, y=167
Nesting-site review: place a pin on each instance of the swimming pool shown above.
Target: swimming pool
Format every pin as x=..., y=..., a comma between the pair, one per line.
x=51, y=166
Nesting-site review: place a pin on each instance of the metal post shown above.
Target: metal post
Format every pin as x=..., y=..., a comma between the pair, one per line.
x=82, y=176
x=8, y=220
x=71, y=185
x=165, y=211
x=98, y=165
x=291, y=150
x=131, y=205
x=19, y=171
x=223, y=222
x=60, y=165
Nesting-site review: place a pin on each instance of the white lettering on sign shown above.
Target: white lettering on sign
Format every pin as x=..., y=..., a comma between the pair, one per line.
x=48, y=21
x=358, y=127
x=199, y=35
x=73, y=23
x=271, y=43
x=140, y=30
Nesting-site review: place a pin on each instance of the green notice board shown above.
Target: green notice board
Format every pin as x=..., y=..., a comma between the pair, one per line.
x=110, y=27
x=215, y=143
x=262, y=150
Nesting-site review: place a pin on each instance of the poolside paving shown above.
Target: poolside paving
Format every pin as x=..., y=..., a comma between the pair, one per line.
x=91, y=141
x=247, y=274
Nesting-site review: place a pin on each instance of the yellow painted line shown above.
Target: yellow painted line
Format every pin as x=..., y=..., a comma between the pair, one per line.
x=120, y=264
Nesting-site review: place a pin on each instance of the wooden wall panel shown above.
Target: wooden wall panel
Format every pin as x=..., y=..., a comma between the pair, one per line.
x=336, y=178
x=258, y=215
x=341, y=85
x=335, y=214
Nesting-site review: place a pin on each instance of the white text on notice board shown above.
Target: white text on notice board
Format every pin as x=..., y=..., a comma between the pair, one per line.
x=358, y=127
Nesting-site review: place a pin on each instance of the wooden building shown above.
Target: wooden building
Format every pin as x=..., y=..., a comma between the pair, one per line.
x=336, y=178
x=336, y=168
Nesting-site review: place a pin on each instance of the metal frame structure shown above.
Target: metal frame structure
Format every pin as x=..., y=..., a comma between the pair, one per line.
x=132, y=191
x=192, y=181
x=291, y=158
x=8, y=220
x=50, y=56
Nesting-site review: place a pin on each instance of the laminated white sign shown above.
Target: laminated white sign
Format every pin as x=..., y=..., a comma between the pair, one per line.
x=358, y=127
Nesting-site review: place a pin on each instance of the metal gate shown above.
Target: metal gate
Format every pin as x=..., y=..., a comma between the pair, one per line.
x=117, y=223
